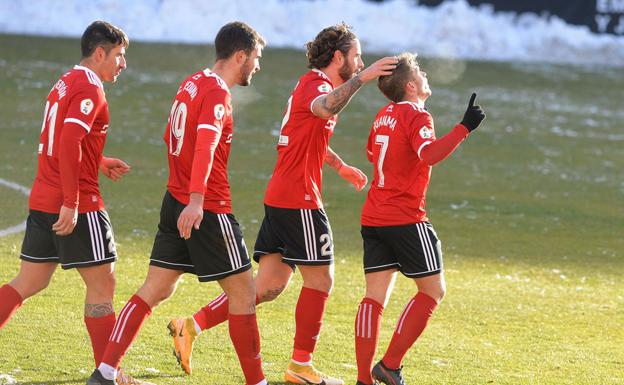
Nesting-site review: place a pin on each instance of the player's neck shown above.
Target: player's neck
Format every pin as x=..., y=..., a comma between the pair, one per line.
x=226, y=72
x=88, y=63
x=332, y=73
x=415, y=99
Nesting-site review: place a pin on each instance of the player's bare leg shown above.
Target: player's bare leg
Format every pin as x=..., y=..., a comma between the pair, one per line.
x=31, y=279
x=317, y=284
x=242, y=324
x=272, y=278
x=411, y=324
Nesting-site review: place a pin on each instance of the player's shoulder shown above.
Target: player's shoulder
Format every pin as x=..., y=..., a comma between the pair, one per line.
x=412, y=111
x=316, y=76
x=212, y=82
x=83, y=81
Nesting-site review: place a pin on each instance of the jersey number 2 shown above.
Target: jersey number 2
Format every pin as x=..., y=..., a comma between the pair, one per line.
x=383, y=141
x=177, y=123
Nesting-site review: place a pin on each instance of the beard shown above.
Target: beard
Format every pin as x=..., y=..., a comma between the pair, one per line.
x=347, y=71
x=246, y=73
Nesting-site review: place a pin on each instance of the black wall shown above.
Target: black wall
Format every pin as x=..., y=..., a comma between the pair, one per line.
x=601, y=16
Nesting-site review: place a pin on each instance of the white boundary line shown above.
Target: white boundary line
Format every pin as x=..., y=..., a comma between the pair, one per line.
x=23, y=190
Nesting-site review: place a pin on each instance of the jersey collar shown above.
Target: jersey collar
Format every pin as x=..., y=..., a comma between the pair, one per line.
x=221, y=82
x=322, y=74
x=414, y=105
x=93, y=77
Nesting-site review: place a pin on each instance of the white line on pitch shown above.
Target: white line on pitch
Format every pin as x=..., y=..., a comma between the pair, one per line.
x=23, y=190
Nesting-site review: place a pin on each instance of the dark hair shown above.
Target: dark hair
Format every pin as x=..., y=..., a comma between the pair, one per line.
x=393, y=86
x=237, y=36
x=102, y=34
x=321, y=50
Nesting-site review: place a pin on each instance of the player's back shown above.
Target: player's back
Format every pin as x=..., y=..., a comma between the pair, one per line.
x=202, y=101
x=302, y=146
x=397, y=194
x=77, y=97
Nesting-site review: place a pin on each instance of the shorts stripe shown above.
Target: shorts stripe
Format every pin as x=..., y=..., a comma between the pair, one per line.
x=309, y=234
x=432, y=254
x=426, y=247
x=98, y=233
x=230, y=241
x=404, y=315
x=96, y=236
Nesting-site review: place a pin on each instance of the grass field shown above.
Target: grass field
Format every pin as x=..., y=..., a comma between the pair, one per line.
x=530, y=212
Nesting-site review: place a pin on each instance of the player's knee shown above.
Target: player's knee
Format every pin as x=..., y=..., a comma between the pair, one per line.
x=436, y=292
x=322, y=282
x=271, y=293
x=28, y=287
x=153, y=293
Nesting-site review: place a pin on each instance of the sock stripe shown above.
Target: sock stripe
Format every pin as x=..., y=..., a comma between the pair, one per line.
x=404, y=315
x=123, y=323
x=215, y=303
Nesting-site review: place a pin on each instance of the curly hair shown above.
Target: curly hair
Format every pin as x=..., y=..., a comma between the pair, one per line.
x=321, y=50
x=393, y=86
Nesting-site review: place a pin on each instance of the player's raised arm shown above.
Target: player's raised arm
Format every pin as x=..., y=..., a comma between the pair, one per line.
x=331, y=104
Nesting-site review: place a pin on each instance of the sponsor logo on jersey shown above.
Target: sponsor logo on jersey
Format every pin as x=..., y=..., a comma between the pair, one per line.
x=219, y=111
x=324, y=88
x=426, y=132
x=86, y=106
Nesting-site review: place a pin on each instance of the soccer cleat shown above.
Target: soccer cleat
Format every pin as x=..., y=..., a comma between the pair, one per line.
x=126, y=379
x=306, y=374
x=96, y=378
x=183, y=332
x=388, y=376
x=361, y=383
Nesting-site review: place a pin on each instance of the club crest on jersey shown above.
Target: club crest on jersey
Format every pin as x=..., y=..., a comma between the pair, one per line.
x=426, y=132
x=86, y=106
x=219, y=111
x=324, y=88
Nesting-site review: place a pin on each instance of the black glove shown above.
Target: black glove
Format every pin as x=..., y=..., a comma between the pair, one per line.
x=473, y=116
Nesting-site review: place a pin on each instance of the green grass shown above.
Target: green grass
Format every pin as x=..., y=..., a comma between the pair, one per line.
x=529, y=210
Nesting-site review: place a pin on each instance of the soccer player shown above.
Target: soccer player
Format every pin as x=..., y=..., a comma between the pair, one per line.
x=67, y=223
x=197, y=232
x=295, y=230
x=397, y=235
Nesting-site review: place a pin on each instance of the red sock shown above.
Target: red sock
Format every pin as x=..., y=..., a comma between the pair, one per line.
x=367, y=325
x=308, y=320
x=214, y=313
x=100, y=329
x=11, y=301
x=411, y=324
x=246, y=340
x=126, y=329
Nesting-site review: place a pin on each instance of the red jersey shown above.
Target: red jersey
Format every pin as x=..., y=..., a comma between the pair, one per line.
x=302, y=146
x=77, y=98
x=397, y=194
x=203, y=101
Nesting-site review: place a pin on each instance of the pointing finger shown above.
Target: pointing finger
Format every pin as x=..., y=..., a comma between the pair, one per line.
x=472, y=99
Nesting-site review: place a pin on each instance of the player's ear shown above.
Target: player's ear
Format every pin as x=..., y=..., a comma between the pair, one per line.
x=240, y=56
x=99, y=54
x=338, y=57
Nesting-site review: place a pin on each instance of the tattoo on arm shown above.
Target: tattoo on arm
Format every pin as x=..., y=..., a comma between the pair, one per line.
x=98, y=309
x=333, y=160
x=336, y=100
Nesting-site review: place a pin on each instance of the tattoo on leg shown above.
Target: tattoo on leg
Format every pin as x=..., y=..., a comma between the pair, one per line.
x=98, y=309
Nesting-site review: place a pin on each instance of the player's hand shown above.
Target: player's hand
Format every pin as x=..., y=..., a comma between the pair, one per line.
x=354, y=176
x=191, y=216
x=113, y=168
x=66, y=222
x=381, y=67
x=474, y=115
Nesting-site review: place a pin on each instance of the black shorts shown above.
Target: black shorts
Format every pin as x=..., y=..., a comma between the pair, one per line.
x=213, y=252
x=90, y=244
x=302, y=236
x=413, y=249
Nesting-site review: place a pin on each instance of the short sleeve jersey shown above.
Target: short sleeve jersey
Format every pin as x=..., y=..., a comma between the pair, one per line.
x=397, y=194
x=77, y=97
x=296, y=182
x=203, y=102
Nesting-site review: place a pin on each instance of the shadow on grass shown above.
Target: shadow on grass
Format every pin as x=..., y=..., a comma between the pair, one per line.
x=83, y=380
